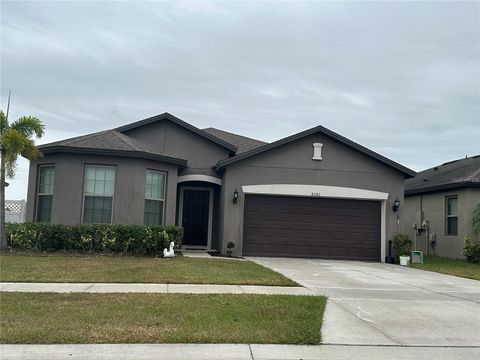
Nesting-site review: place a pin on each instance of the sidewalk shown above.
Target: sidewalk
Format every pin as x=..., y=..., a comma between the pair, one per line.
x=232, y=352
x=152, y=288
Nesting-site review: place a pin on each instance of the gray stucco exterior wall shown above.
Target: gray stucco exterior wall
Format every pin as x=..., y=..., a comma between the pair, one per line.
x=129, y=194
x=433, y=206
x=202, y=154
x=293, y=164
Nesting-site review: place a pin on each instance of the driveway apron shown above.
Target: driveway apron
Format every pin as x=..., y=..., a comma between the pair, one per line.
x=383, y=304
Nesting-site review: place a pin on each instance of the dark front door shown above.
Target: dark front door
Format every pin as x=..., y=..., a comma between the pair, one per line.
x=195, y=217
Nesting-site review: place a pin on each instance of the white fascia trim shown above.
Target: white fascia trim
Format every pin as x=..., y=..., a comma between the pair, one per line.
x=204, y=178
x=337, y=192
x=383, y=231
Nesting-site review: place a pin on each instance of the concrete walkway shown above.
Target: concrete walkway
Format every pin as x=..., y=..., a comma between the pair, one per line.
x=152, y=288
x=196, y=254
x=232, y=352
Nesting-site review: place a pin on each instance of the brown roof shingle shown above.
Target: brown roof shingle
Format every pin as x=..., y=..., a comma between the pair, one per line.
x=452, y=174
x=242, y=143
x=111, y=142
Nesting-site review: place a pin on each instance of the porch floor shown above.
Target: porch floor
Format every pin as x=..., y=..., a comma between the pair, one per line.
x=196, y=253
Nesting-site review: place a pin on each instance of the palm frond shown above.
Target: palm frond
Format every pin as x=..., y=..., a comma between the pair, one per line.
x=28, y=126
x=14, y=143
x=30, y=151
x=10, y=165
x=3, y=121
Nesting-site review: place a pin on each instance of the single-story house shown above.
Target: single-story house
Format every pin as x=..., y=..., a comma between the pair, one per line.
x=439, y=205
x=313, y=194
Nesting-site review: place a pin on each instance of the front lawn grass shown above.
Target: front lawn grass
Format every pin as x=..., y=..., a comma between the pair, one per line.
x=450, y=266
x=129, y=269
x=46, y=318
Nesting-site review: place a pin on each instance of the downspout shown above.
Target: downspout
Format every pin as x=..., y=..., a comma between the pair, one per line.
x=426, y=230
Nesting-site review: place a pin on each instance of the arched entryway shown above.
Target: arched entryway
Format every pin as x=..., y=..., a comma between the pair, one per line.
x=197, y=213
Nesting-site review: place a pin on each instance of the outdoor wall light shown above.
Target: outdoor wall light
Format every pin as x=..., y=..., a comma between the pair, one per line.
x=235, y=196
x=396, y=204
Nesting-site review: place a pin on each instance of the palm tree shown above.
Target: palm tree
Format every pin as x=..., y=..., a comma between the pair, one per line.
x=15, y=139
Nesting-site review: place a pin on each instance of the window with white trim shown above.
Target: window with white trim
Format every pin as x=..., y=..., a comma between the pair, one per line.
x=46, y=175
x=451, y=221
x=99, y=186
x=154, y=197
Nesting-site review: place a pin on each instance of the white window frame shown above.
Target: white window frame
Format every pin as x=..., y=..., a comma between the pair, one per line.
x=165, y=174
x=447, y=216
x=85, y=194
x=42, y=194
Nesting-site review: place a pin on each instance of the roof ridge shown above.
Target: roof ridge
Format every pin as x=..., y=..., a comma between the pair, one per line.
x=232, y=133
x=132, y=142
x=474, y=174
x=123, y=139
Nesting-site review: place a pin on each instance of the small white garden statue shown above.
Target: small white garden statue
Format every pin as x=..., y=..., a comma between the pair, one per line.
x=169, y=253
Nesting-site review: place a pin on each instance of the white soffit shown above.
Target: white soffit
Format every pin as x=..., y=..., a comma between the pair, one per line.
x=199, y=177
x=314, y=191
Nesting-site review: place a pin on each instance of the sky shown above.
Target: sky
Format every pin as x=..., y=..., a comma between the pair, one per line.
x=401, y=78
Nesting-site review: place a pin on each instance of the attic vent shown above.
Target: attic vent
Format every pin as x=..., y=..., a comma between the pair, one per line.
x=425, y=179
x=317, y=151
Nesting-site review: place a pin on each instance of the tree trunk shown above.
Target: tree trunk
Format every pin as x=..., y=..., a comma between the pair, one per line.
x=3, y=237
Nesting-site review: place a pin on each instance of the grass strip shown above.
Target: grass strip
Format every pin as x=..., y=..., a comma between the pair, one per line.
x=46, y=318
x=129, y=269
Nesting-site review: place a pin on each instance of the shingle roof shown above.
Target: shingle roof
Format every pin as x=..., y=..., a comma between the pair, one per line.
x=110, y=142
x=242, y=143
x=453, y=174
x=408, y=173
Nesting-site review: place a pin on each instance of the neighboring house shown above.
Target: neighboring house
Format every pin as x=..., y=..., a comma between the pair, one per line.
x=312, y=194
x=439, y=203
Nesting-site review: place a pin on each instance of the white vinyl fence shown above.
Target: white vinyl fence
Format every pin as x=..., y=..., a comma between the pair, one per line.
x=15, y=211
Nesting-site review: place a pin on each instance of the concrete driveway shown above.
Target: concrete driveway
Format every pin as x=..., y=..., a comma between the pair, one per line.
x=382, y=304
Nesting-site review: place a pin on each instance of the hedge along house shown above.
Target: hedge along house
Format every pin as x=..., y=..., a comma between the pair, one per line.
x=312, y=194
x=439, y=204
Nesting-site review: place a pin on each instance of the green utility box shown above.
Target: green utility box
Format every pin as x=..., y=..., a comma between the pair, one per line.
x=417, y=257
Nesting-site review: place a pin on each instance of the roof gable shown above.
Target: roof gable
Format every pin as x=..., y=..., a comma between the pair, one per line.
x=453, y=174
x=179, y=122
x=318, y=129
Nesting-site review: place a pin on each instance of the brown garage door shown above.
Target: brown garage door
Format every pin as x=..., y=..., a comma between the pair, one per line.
x=311, y=227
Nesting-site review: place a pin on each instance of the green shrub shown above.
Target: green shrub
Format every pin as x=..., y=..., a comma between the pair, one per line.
x=476, y=220
x=402, y=245
x=125, y=239
x=230, y=246
x=471, y=250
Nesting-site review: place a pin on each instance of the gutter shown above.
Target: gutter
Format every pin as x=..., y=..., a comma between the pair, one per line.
x=457, y=185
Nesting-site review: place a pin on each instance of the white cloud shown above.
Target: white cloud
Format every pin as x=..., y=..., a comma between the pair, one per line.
x=401, y=78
